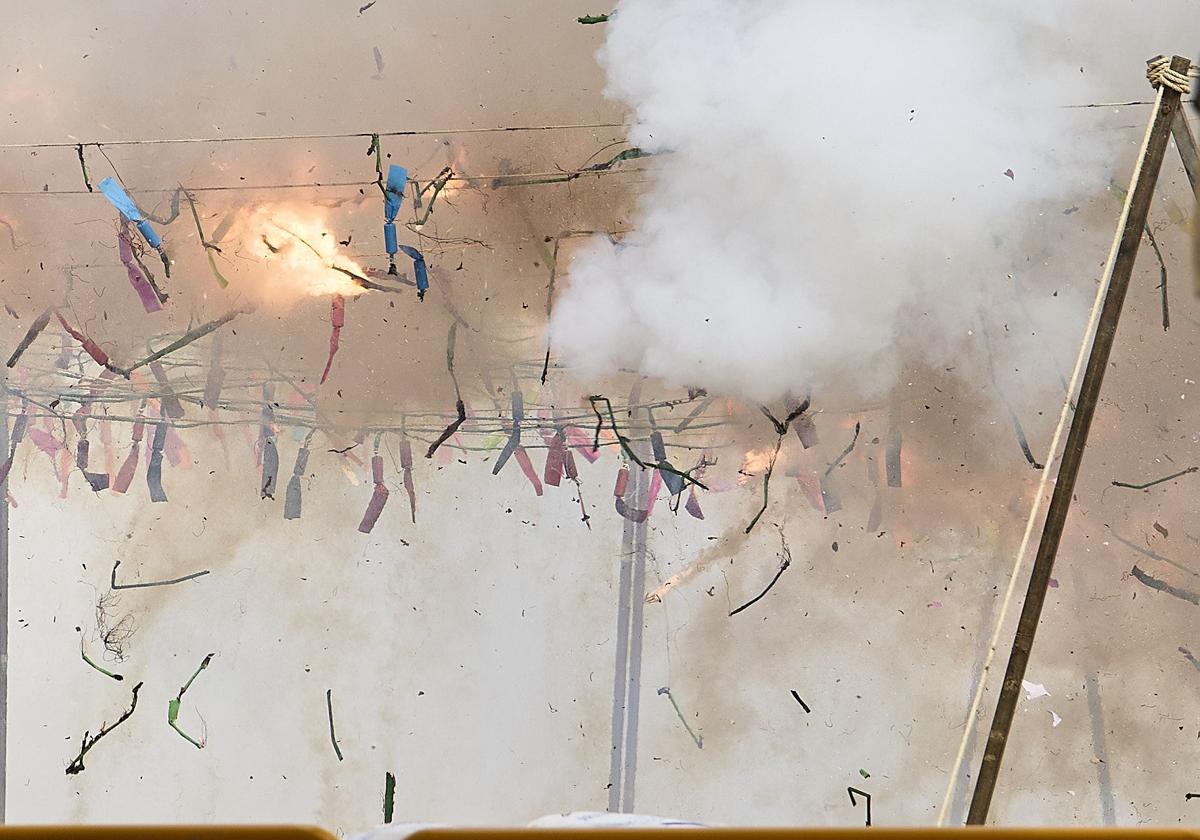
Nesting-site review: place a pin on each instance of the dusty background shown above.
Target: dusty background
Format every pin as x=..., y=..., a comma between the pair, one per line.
x=472, y=653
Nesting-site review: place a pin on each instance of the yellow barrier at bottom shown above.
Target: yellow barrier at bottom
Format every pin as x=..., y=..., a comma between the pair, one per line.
x=164, y=832
x=860, y=833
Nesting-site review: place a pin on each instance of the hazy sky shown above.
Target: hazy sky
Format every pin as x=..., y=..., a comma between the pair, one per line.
x=472, y=653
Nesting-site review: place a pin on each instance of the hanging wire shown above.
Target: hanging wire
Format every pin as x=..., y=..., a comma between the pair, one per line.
x=265, y=138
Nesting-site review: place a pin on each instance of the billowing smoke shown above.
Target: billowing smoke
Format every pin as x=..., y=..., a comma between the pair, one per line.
x=842, y=188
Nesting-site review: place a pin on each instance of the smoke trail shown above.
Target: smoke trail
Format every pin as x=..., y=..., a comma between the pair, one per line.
x=839, y=181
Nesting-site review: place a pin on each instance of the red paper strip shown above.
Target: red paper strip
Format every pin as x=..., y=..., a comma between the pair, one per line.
x=137, y=279
x=89, y=346
x=527, y=467
x=580, y=439
x=656, y=482
x=622, y=482
x=337, y=318
x=554, y=460
x=406, y=464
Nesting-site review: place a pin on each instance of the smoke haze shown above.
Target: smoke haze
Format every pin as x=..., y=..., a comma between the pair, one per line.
x=843, y=188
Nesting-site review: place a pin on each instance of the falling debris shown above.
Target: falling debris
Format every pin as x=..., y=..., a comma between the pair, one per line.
x=1150, y=484
x=332, y=733
x=174, y=703
x=849, y=448
x=115, y=585
x=698, y=740
x=1034, y=690
x=785, y=560
x=866, y=796
x=89, y=740
x=389, y=796
x=766, y=486
x=803, y=705
x=1055, y=720
x=35, y=329
x=104, y=671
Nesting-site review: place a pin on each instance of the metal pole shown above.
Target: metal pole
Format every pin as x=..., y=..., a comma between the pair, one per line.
x=1089, y=394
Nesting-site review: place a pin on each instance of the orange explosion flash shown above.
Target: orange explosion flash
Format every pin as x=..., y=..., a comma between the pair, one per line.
x=756, y=462
x=300, y=253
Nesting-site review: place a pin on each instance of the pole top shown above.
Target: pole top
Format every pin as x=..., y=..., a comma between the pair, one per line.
x=1171, y=72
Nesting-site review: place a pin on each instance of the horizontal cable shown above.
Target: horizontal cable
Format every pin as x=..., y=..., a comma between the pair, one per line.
x=263, y=138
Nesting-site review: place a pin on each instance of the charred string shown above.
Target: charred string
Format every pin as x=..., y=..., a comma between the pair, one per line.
x=89, y=740
x=173, y=705
x=332, y=733
x=698, y=740
x=459, y=406
x=104, y=671
x=766, y=486
x=663, y=466
x=785, y=558
x=866, y=796
x=1162, y=480
x=845, y=452
x=116, y=585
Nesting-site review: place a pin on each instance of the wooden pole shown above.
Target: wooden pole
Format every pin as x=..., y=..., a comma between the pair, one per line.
x=1185, y=141
x=1089, y=394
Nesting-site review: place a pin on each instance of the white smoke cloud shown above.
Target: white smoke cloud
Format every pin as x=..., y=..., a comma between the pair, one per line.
x=835, y=182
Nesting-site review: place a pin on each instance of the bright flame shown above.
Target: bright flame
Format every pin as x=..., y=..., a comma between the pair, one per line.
x=757, y=460
x=299, y=252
